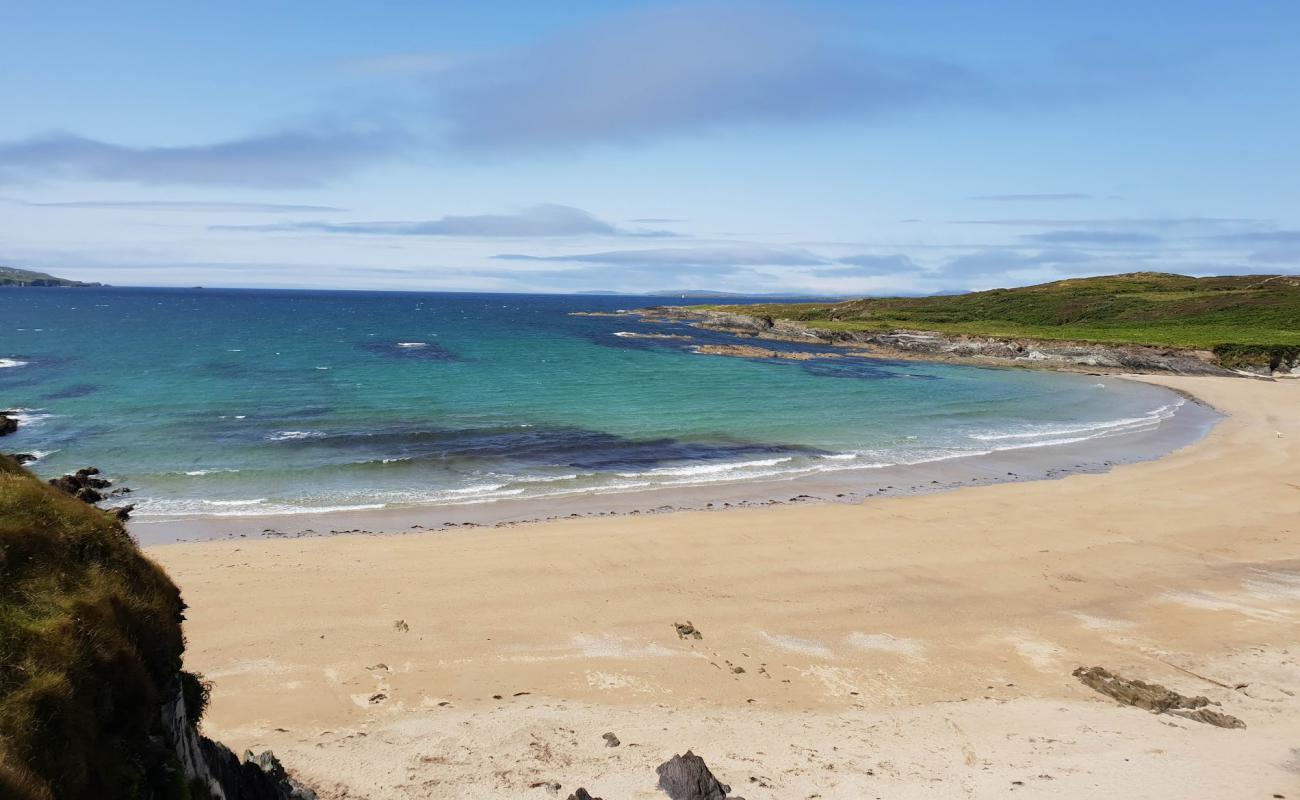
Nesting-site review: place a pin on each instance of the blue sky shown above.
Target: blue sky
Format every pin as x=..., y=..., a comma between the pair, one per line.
x=825, y=147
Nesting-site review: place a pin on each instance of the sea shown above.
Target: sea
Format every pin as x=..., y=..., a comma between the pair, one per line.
x=227, y=403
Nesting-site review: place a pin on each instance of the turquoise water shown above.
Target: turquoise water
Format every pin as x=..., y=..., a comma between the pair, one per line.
x=243, y=402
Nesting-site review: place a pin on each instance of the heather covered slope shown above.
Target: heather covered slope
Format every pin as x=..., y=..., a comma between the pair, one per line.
x=1239, y=317
x=90, y=642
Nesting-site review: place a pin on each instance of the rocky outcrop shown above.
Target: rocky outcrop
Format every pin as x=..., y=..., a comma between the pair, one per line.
x=8, y=424
x=688, y=778
x=930, y=345
x=749, y=351
x=213, y=766
x=1154, y=697
x=87, y=486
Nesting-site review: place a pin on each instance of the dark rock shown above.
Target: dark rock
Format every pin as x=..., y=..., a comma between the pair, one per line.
x=1154, y=697
x=87, y=494
x=258, y=777
x=685, y=630
x=582, y=794
x=8, y=424
x=611, y=740
x=85, y=485
x=688, y=778
x=22, y=458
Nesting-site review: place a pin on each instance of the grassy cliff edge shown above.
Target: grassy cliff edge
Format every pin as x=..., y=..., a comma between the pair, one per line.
x=1246, y=321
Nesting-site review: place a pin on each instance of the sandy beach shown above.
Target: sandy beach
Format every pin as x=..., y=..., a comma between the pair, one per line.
x=905, y=647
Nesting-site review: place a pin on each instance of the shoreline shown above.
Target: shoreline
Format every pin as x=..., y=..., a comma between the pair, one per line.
x=1188, y=425
x=905, y=647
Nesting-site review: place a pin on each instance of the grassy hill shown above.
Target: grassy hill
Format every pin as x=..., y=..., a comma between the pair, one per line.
x=12, y=276
x=90, y=639
x=1248, y=314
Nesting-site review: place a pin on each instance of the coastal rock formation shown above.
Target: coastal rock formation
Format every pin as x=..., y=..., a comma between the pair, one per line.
x=905, y=343
x=687, y=777
x=1154, y=697
x=582, y=794
x=749, y=351
x=85, y=485
x=8, y=424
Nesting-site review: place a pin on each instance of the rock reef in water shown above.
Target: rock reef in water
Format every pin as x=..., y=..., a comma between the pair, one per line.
x=749, y=351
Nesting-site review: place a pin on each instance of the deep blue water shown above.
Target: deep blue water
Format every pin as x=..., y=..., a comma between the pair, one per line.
x=234, y=402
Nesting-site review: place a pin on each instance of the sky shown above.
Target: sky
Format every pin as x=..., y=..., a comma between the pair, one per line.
x=833, y=148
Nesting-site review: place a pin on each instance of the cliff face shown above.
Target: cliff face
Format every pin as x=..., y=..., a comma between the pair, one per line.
x=93, y=700
x=1058, y=354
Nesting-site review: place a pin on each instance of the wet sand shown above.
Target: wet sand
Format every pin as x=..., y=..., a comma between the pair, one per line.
x=909, y=646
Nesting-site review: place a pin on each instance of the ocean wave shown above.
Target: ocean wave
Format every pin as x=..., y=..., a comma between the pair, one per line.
x=258, y=501
x=290, y=436
x=1150, y=418
x=9, y=363
x=412, y=344
x=29, y=417
x=706, y=469
x=191, y=508
x=196, y=473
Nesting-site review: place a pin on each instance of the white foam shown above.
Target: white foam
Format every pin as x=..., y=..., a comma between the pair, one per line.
x=9, y=363
x=289, y=436
x=706, y=469
x=1149, y=419
x=223, y=503
x=412, y=344
x=28, y=417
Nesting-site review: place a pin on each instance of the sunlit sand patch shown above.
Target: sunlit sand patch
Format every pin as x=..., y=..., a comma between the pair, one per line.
x=614, y=681
x=588, y=646
x=261, y=666
x=838, y=681
x=1211, y=601
x=1102, y=623
x=886, y=643
x=1272, y=584
x=794, y=644
x=1042, y=654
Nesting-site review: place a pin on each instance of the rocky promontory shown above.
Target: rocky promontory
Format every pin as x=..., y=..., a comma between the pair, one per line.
x=962, y=348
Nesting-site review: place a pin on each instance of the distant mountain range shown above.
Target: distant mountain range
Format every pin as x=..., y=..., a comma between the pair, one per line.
x=12, y=276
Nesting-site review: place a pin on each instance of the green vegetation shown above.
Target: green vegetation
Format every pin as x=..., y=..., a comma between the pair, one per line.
x=1247, y=319
x=12, y=276
x=90, y=642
